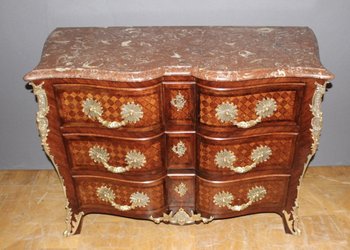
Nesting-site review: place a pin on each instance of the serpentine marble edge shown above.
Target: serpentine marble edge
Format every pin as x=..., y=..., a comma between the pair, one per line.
x=209, y=53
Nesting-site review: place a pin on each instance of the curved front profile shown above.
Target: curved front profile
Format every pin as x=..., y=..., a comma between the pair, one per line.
x=223, y=157
x=120, y=197
x=112, y=108
x=224, y=199
x=119, y=157
x=229, y=108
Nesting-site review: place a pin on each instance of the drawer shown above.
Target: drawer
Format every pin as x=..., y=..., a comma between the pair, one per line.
x=250, y=107
x=180, y=150
x=231, y=198
x=114, y=108
x=234, y=156
x=119, y=156
x=180, y=192
x=107, y=195
x=180, y=104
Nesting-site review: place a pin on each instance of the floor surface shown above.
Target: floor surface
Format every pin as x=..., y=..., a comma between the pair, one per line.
x=32, y=217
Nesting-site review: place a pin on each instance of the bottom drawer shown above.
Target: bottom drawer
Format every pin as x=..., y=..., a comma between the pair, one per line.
x=126, y=198
x=223, y=199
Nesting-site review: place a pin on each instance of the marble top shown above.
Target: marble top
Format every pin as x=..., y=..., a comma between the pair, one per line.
x=209, y=53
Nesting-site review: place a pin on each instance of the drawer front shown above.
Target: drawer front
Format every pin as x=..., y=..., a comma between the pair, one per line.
x=120, y=197
x=180, y=192
x=123, y=157
x=246, y=108
x=180, y=103
x=227, y=199
x=83, y=105
x=180, y=150
x=238, y=156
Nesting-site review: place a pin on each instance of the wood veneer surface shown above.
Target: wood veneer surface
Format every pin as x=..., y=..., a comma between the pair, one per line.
x=32, y=217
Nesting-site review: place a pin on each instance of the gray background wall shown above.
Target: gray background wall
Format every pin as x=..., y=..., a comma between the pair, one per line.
x=24, y=26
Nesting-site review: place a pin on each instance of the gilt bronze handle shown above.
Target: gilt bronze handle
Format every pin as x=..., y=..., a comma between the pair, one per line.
x=225, y=159
x=130, y=112
x=133, y=159
x=227, y=112
x=137, y=199
x=224, y=199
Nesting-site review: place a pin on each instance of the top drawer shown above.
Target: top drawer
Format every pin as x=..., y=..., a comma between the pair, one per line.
x=136, y=109
x=251, y=106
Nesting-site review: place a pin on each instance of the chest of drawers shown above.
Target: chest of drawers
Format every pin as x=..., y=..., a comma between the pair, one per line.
x=180, y=125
